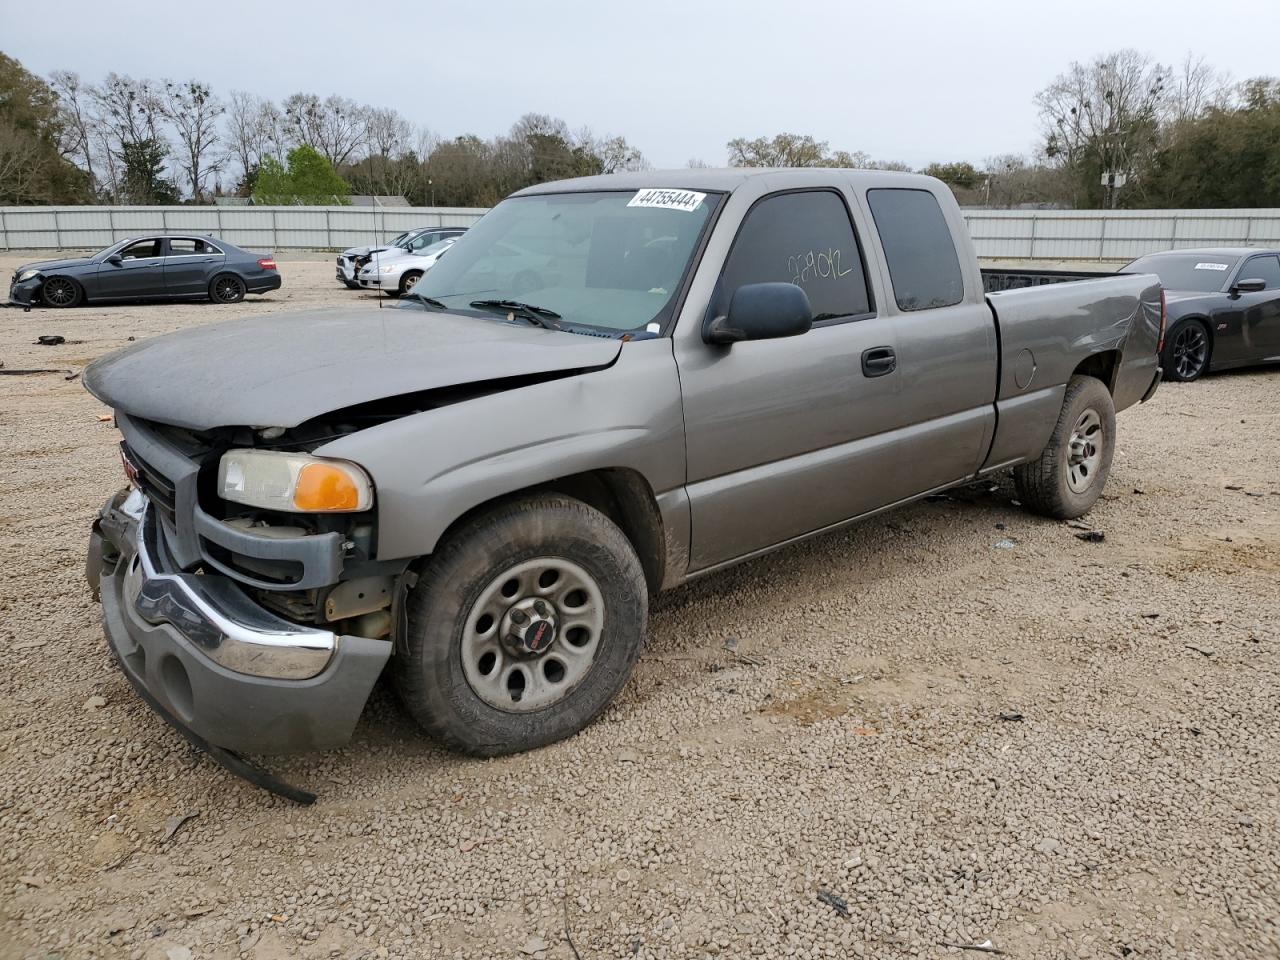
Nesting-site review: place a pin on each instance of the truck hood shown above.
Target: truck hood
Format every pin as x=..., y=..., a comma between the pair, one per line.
x=280, y=371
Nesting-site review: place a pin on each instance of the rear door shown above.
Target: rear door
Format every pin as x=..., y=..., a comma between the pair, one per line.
x=189, y=265
x=1260, y=312
x=140, y=272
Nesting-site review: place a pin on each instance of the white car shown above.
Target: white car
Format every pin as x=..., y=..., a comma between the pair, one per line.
x=396, y=272
x=350, y=262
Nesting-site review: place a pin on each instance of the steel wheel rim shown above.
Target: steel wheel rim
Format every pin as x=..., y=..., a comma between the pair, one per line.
x=1190, y=350
x=516, y=680
x=60, y=291
x=1084, y=451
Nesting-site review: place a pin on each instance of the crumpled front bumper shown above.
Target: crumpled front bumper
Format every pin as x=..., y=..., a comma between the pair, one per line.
x=27, y=292
x=214, y=662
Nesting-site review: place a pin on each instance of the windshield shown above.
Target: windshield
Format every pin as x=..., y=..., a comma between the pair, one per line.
x=1193, y=272
x=609, y=260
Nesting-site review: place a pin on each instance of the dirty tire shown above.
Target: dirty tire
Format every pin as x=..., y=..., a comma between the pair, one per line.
x=409, y=279
x=1048, y=485
x=431, y=678
x=351, y=284
x=226, y=288
x=60, y=292
x=1188, y=348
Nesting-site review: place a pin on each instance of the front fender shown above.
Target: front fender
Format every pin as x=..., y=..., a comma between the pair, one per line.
x=432, y=467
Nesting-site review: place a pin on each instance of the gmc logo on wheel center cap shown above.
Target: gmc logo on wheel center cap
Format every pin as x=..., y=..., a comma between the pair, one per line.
x=538, y=637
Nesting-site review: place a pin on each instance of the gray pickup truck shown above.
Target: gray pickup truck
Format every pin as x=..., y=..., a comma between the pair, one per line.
x=607, y=387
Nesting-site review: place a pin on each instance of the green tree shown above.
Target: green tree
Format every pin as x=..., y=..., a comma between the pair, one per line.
x=143, y=162
x=32, y=168
x=309, y=179
x=961, y=175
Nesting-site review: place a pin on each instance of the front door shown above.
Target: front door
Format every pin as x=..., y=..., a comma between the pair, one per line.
x=140, y=272
x=1259, y=312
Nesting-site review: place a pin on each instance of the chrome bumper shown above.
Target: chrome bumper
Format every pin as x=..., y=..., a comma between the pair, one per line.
x=214, y=616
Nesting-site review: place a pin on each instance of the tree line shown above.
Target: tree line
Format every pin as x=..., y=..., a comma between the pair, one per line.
x=1122, y=130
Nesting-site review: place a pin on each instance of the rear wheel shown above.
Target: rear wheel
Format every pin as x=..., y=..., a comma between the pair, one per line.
x=60, y=292
x=1067, y=478
x=523, y=627
x=1187, y=351
x=226, y=288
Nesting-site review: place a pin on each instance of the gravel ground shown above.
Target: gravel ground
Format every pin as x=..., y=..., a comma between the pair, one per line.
x=884, y=740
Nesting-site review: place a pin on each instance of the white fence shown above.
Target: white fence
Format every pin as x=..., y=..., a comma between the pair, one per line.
x=265, y=229
x=1114, y=234
x=1004, y=234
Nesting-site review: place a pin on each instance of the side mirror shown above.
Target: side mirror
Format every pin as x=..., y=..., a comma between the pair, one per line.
x=115, y=260
x=762, y=311
x=1251, y=285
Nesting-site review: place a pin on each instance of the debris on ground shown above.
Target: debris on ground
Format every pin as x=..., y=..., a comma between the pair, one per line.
x=32, y=371
x=1005, y=544
x=836, y=903
x=95, y=703
x=1010, y=717
x=534, y=945
x=1203, y=651
x=985, y=947
x=50, y=340
x=1091, y=536
x=174, y=824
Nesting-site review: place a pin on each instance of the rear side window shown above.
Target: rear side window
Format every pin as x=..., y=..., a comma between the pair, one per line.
x=922, y=259
x=806, y=239
x=1263, y=268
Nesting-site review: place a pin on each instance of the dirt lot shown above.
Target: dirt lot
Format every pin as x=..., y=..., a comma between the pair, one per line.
x=888, y=739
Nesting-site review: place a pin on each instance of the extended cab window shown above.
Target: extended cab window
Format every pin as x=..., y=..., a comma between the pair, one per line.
x=923, y=264
x=805, y=239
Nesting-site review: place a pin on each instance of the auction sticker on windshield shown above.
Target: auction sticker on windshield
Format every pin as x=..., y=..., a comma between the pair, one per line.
x=686, y=200
x=1212, y=266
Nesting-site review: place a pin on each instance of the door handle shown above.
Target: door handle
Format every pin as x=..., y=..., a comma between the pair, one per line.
x=878, y=361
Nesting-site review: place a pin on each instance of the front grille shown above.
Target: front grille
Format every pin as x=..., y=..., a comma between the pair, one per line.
x=157, y=488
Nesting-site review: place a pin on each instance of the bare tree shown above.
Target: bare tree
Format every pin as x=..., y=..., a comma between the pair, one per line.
x=334, y=127
x=387, y=133
x=125, y=113
x=1105, y=115
x=76, y=120
x=21, y=164
x=783, y=150
x=254, y=130
x=193, y=111
x=1196, y=88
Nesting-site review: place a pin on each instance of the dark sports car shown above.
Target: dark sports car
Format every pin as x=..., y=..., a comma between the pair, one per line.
x=144, y=268
x=1223, y=308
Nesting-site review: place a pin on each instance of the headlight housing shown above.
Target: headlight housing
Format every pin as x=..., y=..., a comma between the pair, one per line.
x=293, y=482
x=27, y=275
x=388, y=269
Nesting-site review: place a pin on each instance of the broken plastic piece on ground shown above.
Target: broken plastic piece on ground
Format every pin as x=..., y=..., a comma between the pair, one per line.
x=50, y=340
x=836, y=903
x=1005, y=544
x=1091, y=536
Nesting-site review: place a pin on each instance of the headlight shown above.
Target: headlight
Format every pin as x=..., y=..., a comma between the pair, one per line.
x=293, y=482
x=388, y=269
x=27, y=275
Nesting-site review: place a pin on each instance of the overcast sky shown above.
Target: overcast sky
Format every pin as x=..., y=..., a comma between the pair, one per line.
x=909, y=80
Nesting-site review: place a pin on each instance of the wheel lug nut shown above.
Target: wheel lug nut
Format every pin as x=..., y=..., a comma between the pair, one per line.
x=519, y=616
x=541, y=607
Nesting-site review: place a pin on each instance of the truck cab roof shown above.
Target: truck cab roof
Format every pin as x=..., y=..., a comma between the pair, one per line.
x=728, y=179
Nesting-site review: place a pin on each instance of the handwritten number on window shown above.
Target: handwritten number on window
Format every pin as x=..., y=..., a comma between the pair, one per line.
x=814, y=265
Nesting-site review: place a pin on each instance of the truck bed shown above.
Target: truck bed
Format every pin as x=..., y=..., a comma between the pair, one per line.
x=1015, y=278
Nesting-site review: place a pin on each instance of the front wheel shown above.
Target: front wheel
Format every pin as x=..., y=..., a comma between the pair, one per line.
x=523, y=626
x=227, y=289
x=409, y=280
x=60, y=292
x=1066, y=479
x=1186, y=352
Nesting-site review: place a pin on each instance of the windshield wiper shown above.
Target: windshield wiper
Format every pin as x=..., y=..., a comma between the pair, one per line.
x=538, y=316
x=423, y=298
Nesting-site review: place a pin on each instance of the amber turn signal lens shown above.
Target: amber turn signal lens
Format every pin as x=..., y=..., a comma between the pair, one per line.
x=323, y=487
